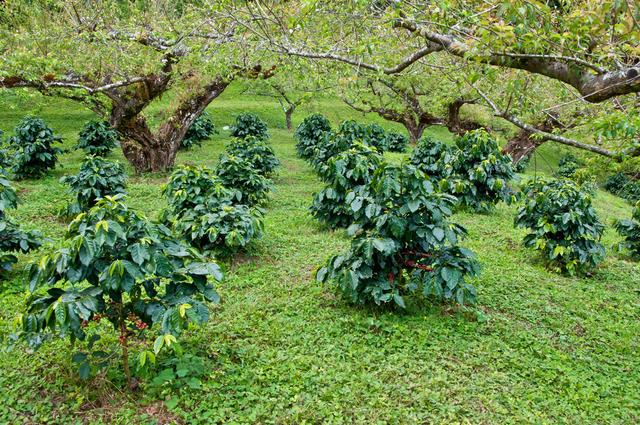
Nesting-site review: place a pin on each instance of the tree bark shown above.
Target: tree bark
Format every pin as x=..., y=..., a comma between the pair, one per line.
x=288, y=113
x=415, y=130
x=454, y=123
x=522, y=146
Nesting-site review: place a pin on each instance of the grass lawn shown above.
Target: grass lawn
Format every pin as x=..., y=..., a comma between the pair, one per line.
x=541, y=348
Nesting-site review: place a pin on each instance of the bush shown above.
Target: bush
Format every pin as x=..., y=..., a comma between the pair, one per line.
x=249, y=125
x=97, y=178
x=251, y=187
x=562, y=225
x=432, y=158
x=220, y=226
x=189, y=186
x=396, y=142
x=623, y=186
x=331, y=145
x=206, y=213
x=12, y=239
x=346, y=174
x=350, y=130
x=119, y=267
x=4, y=155
x=567, y=166
x=375, y=136
x=257, y=152
x=309, y=133
x=616, y=183
x=97, y=138
x=406, y=245
x=480, y=173
x=629, y=229
x=33, y=153
x=201, y=129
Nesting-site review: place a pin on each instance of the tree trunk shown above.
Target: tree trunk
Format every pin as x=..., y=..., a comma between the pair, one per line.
x=522, y=146
x=287, y=116
x=454, y=123
x=152, y=157
x=415, y=131
x=146, y=151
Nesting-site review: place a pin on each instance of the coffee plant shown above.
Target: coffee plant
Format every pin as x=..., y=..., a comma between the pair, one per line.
x=623, y=186
x=562, y=225
x=207, y=214
x=189, y=186
x=406, y=244
x=32, y=148
x=309, y=133
x=629, y=229
x=97, y=138
x=351, y=130
x=480, y=173
x=251, y=187
x=201, y=129
x=346, y=174
x=567, y=166
x=119, y=267
x=257, y=152
x=219, y=226
x=96, y=179
x=12, y=238
x=375, y=136
x=432, y=158
x=249, y=125
x=396, y=142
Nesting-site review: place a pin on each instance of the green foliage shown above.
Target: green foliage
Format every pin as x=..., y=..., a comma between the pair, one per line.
x=96, y=179
x=189, y=186
x=201, y=129
x=629, y=229
x=350, y=130
x=173, y=376
x=238, y=173
x=562, y=224
x=118, y=266
x=97, y=138
x=309, y=133
x=346, y=174
x=249, y=125
x=432, y=158
x=375, y=136
x=206, y=213
x=220, y=226
x=12, y=239
x=623, y=186
x=4, y=154
x=406, y=244
x=567, y=166
x=396, y=142
x=32, y=150
x=480, y=173
x=257, y=152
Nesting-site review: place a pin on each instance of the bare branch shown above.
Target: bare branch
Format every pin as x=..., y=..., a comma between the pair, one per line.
x=543, y=134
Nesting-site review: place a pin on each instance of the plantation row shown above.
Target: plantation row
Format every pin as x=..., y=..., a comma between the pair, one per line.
x=399, y=216
x=116, y=264
x=138, y=274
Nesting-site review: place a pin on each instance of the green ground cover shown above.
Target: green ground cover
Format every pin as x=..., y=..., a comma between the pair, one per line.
x=540, y=348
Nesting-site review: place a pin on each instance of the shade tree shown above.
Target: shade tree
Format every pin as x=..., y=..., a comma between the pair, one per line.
x=126, y=57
